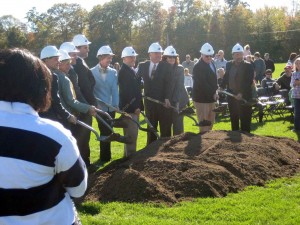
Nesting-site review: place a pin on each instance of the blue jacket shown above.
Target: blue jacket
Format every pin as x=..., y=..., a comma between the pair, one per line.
x=106, y=90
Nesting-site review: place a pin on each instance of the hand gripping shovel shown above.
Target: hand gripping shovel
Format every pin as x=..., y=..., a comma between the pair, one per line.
x=161, y=103
x=188, y=111
x=113, y=136
x=126, y=115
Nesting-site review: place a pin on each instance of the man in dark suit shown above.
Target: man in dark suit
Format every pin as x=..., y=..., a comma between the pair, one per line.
x=238, y=79
x=205, y=88
x=57, y=112
x=157, y=80
x=86, y=82
x=130, y=97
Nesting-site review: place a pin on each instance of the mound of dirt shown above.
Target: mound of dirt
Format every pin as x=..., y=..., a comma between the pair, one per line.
x=192, y=165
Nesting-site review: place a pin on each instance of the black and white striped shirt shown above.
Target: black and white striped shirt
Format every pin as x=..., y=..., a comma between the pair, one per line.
x=40, y=168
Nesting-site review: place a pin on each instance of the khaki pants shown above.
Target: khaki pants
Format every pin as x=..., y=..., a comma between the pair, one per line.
x=205, y=111
x=131, y=132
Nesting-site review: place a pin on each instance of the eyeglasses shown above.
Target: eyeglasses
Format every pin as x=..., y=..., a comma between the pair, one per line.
x=208, y=56
x=171, y=57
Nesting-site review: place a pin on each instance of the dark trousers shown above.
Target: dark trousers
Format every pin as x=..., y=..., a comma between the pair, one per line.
x=239, y=113
x=157, y=113
x=297, y=114
x=177, y=122
x=105, y=151
x=82, y=135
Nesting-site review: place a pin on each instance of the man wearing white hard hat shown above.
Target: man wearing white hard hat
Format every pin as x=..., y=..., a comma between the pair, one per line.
x=205, y=87
x=106, y=89
x=66, y=90
x=130, y=95
x=179, y=98
x=86, y=82
x=57, y=112
x=156, y=76
x=71, y=49
x=238, y=80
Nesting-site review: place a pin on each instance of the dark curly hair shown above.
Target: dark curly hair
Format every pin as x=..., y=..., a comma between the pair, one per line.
x=24, y=78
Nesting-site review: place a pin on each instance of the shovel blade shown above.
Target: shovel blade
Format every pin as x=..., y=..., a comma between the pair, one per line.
x=115, y=137
x=120, y=123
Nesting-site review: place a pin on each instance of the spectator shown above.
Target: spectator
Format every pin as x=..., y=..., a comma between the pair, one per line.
x=188, y=63
x=220, y=62
x=259, y=66
x=106, y=89
x=269, y=62
x=117, y=67
x=41, y=168
x=205, y=88
x=247, y=50
x=283, y=83
x=268, y=83
x=292, y=58
x=295, y=84
x=238, y=79
x=188, y=78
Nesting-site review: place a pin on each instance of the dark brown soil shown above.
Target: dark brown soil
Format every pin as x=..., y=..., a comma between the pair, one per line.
x=192, y=165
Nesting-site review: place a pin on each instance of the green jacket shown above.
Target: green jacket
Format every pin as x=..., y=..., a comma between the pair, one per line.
x=68, y=100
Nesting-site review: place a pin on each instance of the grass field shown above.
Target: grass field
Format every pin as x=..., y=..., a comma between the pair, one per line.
x=276, y=203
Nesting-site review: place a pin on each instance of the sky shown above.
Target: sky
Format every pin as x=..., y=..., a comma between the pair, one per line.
x=19, y=8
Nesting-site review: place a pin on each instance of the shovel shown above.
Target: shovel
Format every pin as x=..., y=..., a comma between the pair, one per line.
x=151, y=128
x=161, y=103
x=125, y=114
x=188, y=111
x=242, y=99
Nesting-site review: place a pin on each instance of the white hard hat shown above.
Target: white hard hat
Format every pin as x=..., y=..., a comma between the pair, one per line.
x=68, y=47
x=207, y=49
x=170, y=51
x=128, y=51
x=105, y=50
x=63, y=55
x=80, y=40
x=49, y=51
x=155, y=47
x=237, y=48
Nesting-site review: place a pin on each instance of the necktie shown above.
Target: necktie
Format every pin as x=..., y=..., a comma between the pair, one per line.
x=153, y=71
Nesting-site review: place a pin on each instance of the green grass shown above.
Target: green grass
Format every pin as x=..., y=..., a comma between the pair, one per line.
x=276, y=203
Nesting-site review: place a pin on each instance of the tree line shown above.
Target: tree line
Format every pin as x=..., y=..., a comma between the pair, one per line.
x=186, y=25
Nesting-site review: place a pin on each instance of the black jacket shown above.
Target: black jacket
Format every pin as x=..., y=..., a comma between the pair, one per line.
x=74, y=79
x=86, y=81
x=245, y=73
x=56, y=111
x=129, y=88
x=205, y=82
x=158, y=87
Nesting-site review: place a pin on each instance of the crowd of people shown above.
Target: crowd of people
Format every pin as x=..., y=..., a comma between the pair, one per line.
x=59, y=86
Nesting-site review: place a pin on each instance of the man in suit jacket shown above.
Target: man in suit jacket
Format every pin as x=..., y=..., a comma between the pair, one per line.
x=238, y=79
x=130, y=96
x=205, y=88
x=86, y=82
x=157, y=80
x=57, y=112
x=106, y=89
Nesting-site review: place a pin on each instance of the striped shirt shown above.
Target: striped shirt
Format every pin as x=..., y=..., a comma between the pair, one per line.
x=40, y=168
x=296, y=89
